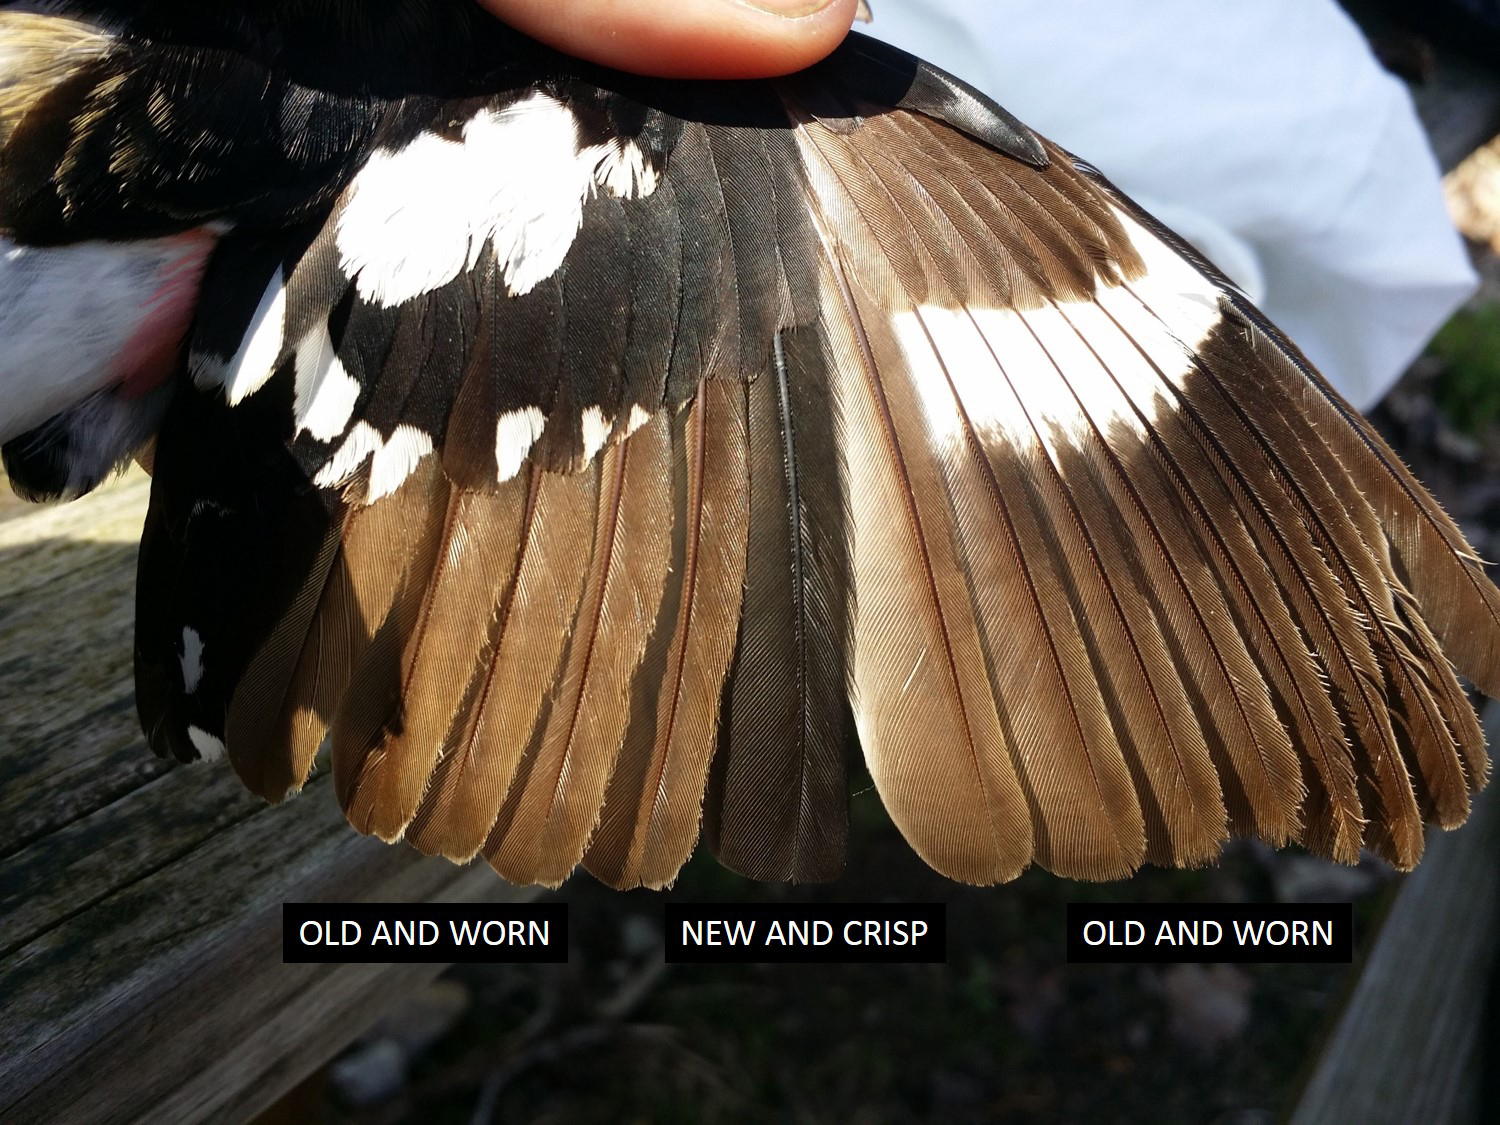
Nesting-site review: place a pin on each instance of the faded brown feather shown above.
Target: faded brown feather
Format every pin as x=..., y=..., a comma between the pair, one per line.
x=654, y=804
x=1458, y=601
x=1330, y=605
x=1419, y=681
x=475, y=561
x=1153, y=724
x=508, y=695
x=1209, y=469
x=1176, y=514
x=554, y=807
x=412, y=518
x=1106, y=578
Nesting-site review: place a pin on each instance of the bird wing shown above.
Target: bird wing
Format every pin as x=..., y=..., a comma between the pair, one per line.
x=599, y=446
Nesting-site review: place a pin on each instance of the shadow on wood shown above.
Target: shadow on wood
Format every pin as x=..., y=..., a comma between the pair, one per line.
x=1413, y=1043
x=140, y=902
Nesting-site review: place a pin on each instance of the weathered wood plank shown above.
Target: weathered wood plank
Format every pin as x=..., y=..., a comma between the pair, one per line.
x=140, y=902
x=68, y=730
x=1410, y=1045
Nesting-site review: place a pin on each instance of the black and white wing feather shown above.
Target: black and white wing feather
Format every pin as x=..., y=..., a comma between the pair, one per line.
x=584, y=453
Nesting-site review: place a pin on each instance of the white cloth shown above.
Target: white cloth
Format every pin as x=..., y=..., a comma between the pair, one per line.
x=1266, y=134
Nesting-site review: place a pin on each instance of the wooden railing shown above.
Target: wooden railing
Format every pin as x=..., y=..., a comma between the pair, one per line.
x=140, y=902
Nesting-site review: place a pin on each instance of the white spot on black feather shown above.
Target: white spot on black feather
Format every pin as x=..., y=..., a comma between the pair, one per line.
x=326, y=392
x=639, y=416
x=621, y=168
x=517, y=181
x=515, y=434
x=192, y=659
x=209, y=747
x=595, y=432
x=394, y=461
x=391, y=459
x=253, y=364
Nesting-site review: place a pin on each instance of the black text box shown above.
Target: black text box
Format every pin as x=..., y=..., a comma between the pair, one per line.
x=1286, y=933
x=792, y=933
x=423, y=933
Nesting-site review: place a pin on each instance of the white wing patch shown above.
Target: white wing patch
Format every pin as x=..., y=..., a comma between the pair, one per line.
x=253, y=364
x=517, y=179
x=515, y=434
x=391, y=460
x=326, y=392
x=211, y=748
x=1069, y=372
x=192, y=659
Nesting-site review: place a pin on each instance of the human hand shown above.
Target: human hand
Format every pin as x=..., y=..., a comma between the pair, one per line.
x=686, y=38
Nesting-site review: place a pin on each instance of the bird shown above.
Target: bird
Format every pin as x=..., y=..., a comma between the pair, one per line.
x=585, y=463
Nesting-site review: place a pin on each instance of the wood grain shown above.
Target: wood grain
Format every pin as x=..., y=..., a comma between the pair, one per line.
x=1410, y=1045
x=140, y=902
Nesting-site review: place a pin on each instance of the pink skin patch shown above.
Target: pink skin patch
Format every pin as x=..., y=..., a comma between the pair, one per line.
x=149, y=356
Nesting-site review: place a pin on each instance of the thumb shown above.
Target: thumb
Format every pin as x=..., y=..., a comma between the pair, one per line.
x=686, y=38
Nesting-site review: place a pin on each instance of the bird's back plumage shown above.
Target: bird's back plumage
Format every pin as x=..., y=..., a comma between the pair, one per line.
x=578, y=453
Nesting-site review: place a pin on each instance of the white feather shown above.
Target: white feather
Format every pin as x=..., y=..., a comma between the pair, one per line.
x=394, y=461
x=517, y=180
x=211, y=748
x=192, y=659
x=637, y=418
x=326, y=392
x=363, y=440
x=255, y=361
x=515, y=434
x=621, y=168
x=596, y=429
x=391, y=460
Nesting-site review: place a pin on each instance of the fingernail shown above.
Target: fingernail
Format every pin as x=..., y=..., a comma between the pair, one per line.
x=789, y=9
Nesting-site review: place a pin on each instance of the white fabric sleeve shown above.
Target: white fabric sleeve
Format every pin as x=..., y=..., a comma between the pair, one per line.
x=1264, y=133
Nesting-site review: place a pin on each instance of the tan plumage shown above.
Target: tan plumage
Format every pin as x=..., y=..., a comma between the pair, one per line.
x=42, y=51
x=474, y=561
x=649, y=823
x=510, y=691
x=374, y=785
x=1108, y=607
x=554, y=803
x=1321, y=568
x=926, y=718
x=486, y=535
